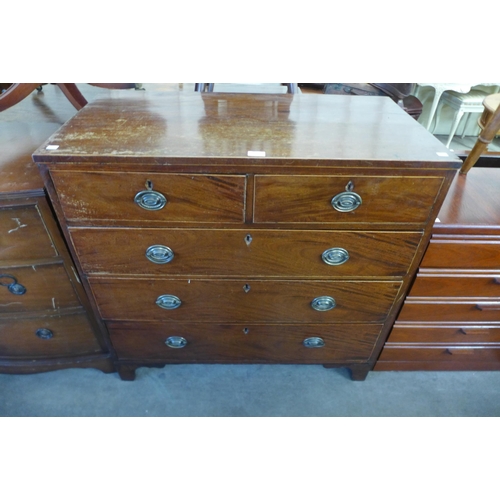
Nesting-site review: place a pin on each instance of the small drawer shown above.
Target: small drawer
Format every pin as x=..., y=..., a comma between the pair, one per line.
x=311, y=199
x=452, y=355
x=462, y=254
x=237, y=343
x=460, y=334
x=468, y=311
x=239, y=301
x=143, y=197
x=23, y=236
x=47, y=337
x=446, y=285
x=173, y=252
x=36, y=288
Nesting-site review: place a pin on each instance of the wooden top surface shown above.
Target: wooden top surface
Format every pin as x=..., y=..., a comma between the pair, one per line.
x=166, y=128
x=472, y=204
x=18, y=173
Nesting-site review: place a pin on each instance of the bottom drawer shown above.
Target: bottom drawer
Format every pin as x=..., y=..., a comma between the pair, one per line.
x=442, y=355
x=142, y=341
x=47, y=337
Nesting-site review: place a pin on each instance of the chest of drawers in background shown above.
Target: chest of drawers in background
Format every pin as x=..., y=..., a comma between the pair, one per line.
x=45, y=318
x=451, y=317
x=228, y=228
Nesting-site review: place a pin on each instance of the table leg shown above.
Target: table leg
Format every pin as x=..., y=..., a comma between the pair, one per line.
x=75, y=97
x=16, y=93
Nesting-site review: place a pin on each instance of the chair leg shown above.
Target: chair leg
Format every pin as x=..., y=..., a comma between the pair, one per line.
x=458, y=117
x=437, y=113
x=465, y=126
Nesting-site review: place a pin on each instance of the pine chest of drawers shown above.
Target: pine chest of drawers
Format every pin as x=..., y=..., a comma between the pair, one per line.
x=226, y=228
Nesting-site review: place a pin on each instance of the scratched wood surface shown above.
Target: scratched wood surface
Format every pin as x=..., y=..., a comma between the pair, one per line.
x=289, y=129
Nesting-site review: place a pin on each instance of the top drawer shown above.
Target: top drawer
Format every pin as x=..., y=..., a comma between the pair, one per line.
x=105, y=196
x=462, y=254
x=23, y=236
x=311, y=198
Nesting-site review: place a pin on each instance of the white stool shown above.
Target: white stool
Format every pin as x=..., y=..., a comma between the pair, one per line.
x=472, y=102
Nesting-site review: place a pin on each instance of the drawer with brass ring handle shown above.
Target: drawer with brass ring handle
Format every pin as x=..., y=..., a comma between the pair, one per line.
x=313, y=342
x=159, y=254
x=168, y=302
x=150, y=200
x=14, y=287
x=324, y=303
x=348, y=200
x=335, y=256
x=176, y=342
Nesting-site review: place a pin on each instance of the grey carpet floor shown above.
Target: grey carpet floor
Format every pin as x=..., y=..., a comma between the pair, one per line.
x=250, y=391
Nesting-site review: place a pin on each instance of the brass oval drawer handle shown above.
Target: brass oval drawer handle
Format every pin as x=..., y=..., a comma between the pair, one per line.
x=348, y=200
x=313, y=342
x=44, y=333
x=335, y=256
x=159, y=254
x=168, y=302
x=176, y=342
x=150, y=200
x=14, y=287
x=324, y=303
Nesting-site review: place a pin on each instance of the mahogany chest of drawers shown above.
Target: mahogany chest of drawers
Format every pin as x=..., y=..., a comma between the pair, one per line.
x=239, y=228
x=451, y=317
x=45, y=319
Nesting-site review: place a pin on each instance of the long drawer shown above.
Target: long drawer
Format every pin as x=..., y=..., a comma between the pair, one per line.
x=50, y=336
x=462, y=253
x=468, y=311
x=195, y=342
x=109, y=196
x=308, y=198
x=454, y=355
x=47, y=287
x=244, y=252
x=449, y=285
x=444, y=334
x=242, y=301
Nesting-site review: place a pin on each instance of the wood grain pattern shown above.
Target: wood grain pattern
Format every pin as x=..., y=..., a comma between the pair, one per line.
x=72, y=334
x=230, y=344
x=463, y=254
x=444, y=334
x=20, y=227
x=474, y=311
x=105, y=196
x=213, y=252
x=456, y=285
x=472, y=205
x=225, y=301
x=47, y=289
x=296, y=199
x=175, y=128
